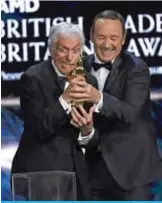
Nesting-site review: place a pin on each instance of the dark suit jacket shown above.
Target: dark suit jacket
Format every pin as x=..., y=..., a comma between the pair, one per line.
x=127, y=134
x=49, y=141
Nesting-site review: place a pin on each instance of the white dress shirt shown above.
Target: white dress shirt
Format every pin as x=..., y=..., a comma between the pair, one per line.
x=101, y=74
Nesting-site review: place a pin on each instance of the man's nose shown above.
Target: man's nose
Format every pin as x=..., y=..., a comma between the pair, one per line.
x=69, y=55
x=107, y=43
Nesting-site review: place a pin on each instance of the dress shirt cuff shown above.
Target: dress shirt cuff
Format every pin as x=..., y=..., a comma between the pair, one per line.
x=99, y=105
x=65, y=105
x=83, y=140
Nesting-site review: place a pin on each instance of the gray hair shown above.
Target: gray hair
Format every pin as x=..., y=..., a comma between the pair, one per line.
x=66, y=29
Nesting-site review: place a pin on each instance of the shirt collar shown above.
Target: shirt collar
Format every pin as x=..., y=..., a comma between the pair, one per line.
x=56, y=70
x=98, y=61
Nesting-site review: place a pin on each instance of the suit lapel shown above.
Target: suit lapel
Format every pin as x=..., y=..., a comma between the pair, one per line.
x=112, y=76
x=51, y=86
x=87, y=63
x=114, y=72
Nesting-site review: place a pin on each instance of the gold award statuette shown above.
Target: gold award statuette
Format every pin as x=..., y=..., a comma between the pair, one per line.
x=79, y=70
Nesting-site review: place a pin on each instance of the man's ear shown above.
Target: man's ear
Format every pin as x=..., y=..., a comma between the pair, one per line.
x=91, y=35
x=124, y=38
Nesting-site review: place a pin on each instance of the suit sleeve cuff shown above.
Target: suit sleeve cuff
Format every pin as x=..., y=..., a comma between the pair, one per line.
x=65, y=105
x=83, y=140
x=99, y=105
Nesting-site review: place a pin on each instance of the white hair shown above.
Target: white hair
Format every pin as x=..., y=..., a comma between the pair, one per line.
x=65, y=29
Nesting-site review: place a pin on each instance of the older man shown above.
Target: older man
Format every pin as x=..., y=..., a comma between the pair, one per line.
x=49, y=141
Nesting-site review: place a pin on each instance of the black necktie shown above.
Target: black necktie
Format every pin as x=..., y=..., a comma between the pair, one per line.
x=97, y=66
x=62, y=81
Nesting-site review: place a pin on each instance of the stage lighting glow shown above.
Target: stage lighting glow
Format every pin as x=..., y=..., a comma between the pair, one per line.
x=7, y=154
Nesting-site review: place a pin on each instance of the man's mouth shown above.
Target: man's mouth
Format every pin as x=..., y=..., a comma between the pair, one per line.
x=103, y=49
x=68, y=64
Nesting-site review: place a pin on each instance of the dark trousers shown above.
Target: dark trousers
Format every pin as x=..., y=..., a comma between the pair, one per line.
x=104, y=187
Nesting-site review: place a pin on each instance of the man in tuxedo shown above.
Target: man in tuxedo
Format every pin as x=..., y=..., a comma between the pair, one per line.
x=125, y=160
x=49, y=141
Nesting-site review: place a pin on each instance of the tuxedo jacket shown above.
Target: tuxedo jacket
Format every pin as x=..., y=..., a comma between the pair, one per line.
x=126, y=129
x=49, y=142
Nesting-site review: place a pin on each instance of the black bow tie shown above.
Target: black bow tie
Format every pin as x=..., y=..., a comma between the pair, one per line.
x=62, y=81
x=97, y=66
